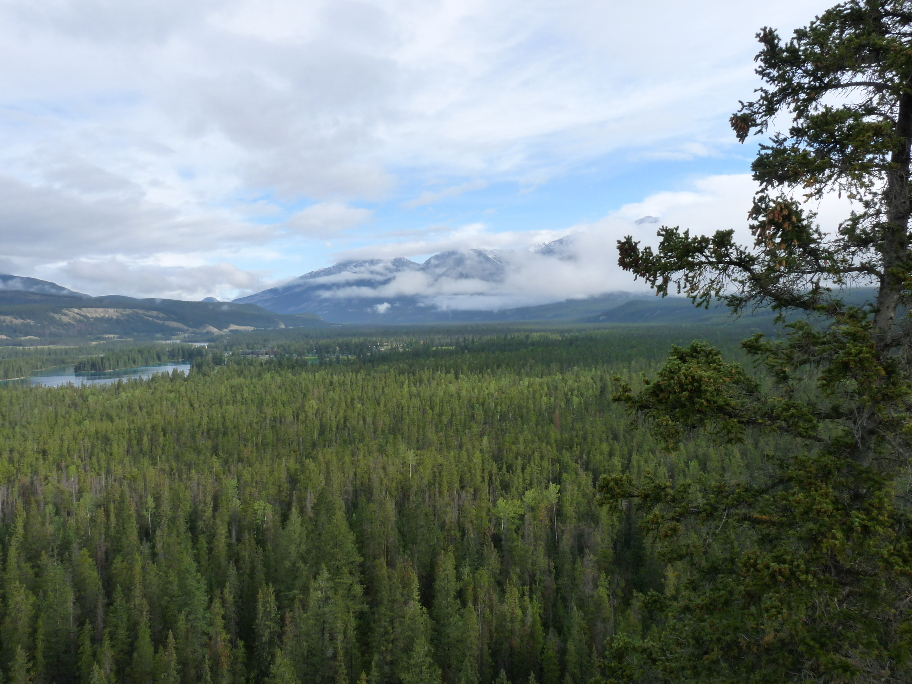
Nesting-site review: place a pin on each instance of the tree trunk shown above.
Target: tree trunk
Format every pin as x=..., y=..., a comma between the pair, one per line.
x=895, y=251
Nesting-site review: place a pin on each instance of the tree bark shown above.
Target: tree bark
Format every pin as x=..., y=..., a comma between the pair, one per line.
x=895, y=250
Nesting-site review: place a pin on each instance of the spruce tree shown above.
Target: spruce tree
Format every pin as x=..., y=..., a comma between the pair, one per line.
x=282, y=670
x=86, y=653
x=166, y=664
x=143, y=661
x=448, y=635
x=20, y=669
x=266, y=629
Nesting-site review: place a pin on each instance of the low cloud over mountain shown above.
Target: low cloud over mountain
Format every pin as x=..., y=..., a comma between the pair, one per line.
x=446, y=284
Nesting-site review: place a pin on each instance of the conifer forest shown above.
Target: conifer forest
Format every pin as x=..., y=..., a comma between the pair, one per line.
x=396, y=509
x=514, y=503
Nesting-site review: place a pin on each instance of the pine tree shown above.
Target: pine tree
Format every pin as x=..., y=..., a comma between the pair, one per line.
x=17, y=626
x=118, y=631
x=805, y=566
x=86, y=653
x=166, y=662
x=20, y=669
x=418, y=666
x=282, y=670
x=267, y=628
x=289, y=556
x=550, y=660
x=88, y=590
x=98, y=676
x=219, y=645
x=105, y=668
x=446, y=612
x=324, y=630
x=467, y=672
x=143, y=661
x=56, y=620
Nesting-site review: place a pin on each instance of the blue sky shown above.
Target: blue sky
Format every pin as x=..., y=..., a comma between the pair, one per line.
x=216, y=147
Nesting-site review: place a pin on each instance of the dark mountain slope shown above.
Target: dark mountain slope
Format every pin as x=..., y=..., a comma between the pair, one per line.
x=16, y=283
x=26, y=314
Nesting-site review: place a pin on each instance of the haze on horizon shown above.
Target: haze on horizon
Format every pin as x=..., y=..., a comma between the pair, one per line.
x=215, y=148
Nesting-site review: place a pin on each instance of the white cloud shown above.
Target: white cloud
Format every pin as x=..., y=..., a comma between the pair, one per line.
x=590, y=264
x=713, y=203
x=130, y=128
x=326, y=218
x=453, y=191
x=443, y=238
x=118, y=275
x=43, y=221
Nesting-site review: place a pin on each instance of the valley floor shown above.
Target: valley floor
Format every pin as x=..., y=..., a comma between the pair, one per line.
x=419, y=507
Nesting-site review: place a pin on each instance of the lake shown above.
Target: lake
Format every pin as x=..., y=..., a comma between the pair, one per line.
x=55, y=377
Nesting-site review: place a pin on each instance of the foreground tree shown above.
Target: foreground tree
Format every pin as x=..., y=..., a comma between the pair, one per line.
x=802, y=573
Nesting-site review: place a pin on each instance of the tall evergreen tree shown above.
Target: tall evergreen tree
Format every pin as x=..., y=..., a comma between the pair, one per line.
x=20, y=668
x=418, y=666
x=17, y=627
x=166, y=664
x=267, y=629
x=448, y=640
x=56, y=620
x=143, y=661
x=86, y=653
x=802, y=571
x=283, y=671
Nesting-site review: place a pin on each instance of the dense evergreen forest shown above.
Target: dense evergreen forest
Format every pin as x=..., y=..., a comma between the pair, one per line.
x=20, y=362
x=132, y=357
x=415, y=508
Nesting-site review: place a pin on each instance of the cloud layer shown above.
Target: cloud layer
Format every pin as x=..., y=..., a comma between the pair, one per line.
x=583, y=263
x=250, y=133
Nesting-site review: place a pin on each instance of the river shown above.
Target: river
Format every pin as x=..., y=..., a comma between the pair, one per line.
x=64, y=375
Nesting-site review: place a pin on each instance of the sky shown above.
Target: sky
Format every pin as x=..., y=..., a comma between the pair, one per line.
x=199, y=148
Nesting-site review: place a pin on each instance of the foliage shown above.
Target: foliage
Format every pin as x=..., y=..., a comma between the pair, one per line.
x=414, y=514
x=134, y=357
x=803, y=570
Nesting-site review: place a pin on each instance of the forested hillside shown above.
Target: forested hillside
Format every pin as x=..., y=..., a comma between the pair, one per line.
x=425, y=512
x=32, y=316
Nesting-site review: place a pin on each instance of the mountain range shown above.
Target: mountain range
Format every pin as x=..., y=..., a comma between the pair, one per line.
x=453, y=286
x=384, y=290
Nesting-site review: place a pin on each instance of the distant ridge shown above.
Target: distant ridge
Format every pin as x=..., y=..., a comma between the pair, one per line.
x=16, y=283
x=33, y=310
x=668, y=310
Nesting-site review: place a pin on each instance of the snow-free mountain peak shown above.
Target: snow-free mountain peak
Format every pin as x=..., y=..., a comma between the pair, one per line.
x=22, y=284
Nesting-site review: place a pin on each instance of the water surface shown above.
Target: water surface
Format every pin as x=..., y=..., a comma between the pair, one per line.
x=64, y=375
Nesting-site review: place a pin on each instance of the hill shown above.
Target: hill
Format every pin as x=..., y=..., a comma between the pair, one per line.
x=22, y=284
x=668, y=310
x=30, y=315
